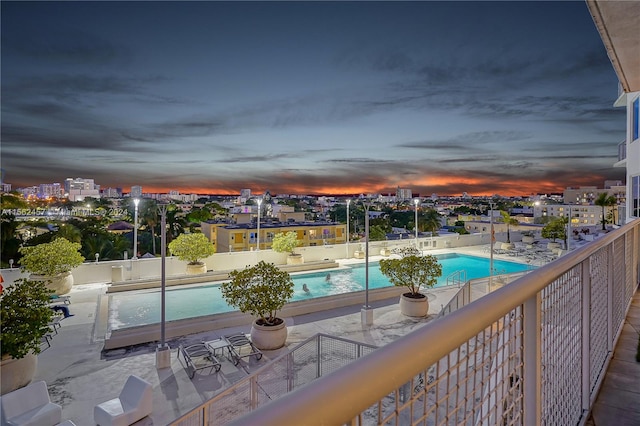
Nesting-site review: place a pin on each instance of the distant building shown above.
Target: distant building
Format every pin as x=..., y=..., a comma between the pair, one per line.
x=403, y=194
x=136, y=191
x=50, y=190
x=112, y=193
x=78, y=189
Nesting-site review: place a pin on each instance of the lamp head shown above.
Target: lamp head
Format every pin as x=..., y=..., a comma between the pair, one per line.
x=136, y=201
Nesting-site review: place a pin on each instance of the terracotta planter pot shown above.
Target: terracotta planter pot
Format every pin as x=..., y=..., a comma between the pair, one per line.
x=17, y=373
x=197, y=269
x=295, y=259
x=269, y=337
x=414, y=307
x=60, y=284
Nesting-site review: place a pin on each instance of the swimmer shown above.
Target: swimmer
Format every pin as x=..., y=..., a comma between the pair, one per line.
x=328, y=278
x=305, y=288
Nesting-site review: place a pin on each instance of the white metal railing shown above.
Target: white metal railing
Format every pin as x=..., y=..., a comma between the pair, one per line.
x=532, y=352
x=318, y=355
x=457, y=278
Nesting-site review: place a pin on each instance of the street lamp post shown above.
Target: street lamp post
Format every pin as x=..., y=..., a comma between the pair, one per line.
x=366, y=314
x=569, y=231
x=415, y=202
x=258, y=234
x=348, y=203
x=163, y=354
x=136, y=201
x=491, y=248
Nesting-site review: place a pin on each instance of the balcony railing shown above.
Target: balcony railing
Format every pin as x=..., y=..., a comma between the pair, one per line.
x=532, y=352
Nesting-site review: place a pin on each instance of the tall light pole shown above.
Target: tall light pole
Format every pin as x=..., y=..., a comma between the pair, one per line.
x=491, y=248
x=258, y=234
x=366, y=314
x=415, y=203
x=569, y=231
x=136, y=201
x=348, y=203
x=163, y=354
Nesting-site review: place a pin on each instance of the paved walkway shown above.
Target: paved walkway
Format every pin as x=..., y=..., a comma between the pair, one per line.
x=618, y=402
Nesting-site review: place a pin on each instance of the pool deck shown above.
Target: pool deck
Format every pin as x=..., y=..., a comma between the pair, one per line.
x=80, y=374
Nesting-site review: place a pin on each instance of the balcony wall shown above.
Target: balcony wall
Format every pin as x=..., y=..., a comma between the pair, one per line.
x=533, y=352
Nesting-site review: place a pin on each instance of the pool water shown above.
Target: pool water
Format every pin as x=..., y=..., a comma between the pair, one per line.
x=127, y=310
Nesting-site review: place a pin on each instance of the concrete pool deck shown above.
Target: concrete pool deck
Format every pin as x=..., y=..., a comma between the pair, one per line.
x=80, y=374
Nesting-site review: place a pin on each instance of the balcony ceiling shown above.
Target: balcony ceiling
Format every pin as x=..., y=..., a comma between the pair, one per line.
x=619, y=25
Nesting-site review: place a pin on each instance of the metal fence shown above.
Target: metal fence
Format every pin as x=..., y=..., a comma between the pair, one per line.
x=311, y=359
x=532, y=352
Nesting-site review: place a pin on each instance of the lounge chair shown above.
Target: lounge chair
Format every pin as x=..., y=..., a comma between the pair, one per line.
x=134, y=403
x=241, y=347
x=198, y=357
x=30, y=405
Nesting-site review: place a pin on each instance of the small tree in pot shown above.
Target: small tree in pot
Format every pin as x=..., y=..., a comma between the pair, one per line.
x=261, y=291
x=191, y=248
x=24, y=319
x=412, y=270
x=52, y=262
x=286, y=242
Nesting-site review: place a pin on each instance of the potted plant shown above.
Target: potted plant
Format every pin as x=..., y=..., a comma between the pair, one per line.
x=25, y=315
x=52, y=262
x=555, y=229
x=412, y=271
x=508, y=220
x=286, y=242
x=191, y=248
x=261, y=290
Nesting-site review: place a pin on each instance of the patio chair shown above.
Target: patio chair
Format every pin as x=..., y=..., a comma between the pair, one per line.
x=134, y=403
x=241, y=347
x=198, y=357
x=30, y=405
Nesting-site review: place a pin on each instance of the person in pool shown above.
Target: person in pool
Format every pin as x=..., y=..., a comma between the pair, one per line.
x=328, y=278
x=305, y=288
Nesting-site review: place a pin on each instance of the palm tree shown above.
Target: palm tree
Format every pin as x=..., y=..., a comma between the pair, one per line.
x=148, y=214
x=506, y=218
x=605, y=200
x=430, y=221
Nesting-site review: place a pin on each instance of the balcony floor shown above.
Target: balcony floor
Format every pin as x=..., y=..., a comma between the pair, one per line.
x=618, y=402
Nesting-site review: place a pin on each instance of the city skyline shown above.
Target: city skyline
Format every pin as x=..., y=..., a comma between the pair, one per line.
x=305, y=97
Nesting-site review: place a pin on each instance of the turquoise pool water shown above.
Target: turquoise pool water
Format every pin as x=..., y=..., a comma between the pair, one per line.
x=127, y=310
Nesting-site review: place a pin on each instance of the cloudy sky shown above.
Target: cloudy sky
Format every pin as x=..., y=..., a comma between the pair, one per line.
x=308, y=97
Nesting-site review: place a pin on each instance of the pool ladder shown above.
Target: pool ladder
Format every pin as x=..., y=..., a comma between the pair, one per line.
x=457, y=278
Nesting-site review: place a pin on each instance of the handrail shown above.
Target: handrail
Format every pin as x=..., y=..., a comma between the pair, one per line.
x=457, y=277
x=450, y=332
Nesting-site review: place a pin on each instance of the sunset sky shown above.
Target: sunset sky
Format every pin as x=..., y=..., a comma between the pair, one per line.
x=308, y=97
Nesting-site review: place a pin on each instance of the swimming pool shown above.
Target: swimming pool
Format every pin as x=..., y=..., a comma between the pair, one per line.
x=128, y=310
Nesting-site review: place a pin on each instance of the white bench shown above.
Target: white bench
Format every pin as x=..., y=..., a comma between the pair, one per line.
x=30, y=406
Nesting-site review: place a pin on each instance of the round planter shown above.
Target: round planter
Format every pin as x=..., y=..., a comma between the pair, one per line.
x=358, y=254
x=507, y=246
x=17, y=373
x=59, y=284
x=527, y=239
x=197, y=269
x=267, y=337
x=414, y=307
x=295, y=259
x=552, y=245
x=385, y=252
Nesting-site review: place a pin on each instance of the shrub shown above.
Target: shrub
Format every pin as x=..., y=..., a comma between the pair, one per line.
x=191, y=247
x=50, y=259
x=412, y=270
x=260, y=290
x=25, y=315
x=285, y=242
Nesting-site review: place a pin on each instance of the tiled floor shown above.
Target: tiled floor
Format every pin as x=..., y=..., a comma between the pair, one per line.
x=618, y=402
